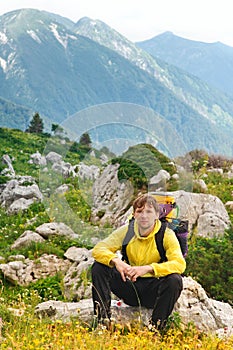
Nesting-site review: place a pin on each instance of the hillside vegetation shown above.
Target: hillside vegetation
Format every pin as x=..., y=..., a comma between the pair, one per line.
x=212, y=255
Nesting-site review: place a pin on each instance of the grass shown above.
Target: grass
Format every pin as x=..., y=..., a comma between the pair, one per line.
x=34, y=334
x=21, y=329
x=25, y=331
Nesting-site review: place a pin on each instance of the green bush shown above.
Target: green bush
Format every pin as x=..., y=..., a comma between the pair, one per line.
x=49, y=288
x=210, y=262
x=141, y=162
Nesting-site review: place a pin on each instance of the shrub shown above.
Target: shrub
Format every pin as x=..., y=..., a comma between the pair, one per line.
x=214, y=255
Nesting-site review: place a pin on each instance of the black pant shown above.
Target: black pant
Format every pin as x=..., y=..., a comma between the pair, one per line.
x=159, y=294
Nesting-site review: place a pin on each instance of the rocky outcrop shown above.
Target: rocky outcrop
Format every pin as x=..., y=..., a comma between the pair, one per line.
x=206, y=214
x=9, y=170
x=88, y=172
x=111, y=198
x=22, y=273
x=17, y=195
x=193, y=306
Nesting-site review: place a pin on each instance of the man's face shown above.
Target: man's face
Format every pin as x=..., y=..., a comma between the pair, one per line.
x=146, y=218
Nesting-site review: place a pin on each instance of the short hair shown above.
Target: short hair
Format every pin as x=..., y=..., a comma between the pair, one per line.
x=144, y=199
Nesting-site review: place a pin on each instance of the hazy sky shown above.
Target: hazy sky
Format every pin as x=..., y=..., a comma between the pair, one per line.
x=202, y=20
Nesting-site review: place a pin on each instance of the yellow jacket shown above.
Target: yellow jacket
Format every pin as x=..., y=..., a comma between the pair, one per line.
x=143, y=250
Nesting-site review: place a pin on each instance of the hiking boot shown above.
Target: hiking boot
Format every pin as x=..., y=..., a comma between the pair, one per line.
x=103, y=323
x=157, y=327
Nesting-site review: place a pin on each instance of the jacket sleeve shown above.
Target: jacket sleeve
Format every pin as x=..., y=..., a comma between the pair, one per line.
x=106, y=250
x=175, y=261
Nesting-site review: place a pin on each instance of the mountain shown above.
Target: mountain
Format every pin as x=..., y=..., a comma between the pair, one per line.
x=57, y=72
x=58, y=68
x=211, y=62
x=13, y=115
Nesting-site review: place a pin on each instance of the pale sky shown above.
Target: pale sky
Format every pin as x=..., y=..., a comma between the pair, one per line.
x=138, y=20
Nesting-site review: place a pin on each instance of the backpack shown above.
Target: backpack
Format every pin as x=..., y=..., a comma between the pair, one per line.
x=169, y=218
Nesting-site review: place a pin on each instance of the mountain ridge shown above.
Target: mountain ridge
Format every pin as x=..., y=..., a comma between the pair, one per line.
x=58, y=71
x=211, y=62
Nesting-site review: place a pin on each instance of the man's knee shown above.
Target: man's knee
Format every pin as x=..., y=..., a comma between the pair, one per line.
x=174, y=281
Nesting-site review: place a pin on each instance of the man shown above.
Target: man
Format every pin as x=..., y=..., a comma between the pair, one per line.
x=144, y=281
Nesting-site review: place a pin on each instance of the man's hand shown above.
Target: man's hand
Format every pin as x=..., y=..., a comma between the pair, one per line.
x=121, y=266
x=131, y=272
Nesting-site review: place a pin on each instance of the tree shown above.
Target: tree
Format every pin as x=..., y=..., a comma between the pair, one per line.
x=58, y=131
x=54, y=127
x=85, y=140
x=36, y=125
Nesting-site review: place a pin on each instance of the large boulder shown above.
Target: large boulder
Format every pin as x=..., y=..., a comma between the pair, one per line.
x=56, y=229
x=111, y=198
x=26, y=239
x=206, y=213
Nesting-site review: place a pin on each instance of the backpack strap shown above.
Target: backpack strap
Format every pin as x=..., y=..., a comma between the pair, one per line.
x=159, y=240
x=129, y=235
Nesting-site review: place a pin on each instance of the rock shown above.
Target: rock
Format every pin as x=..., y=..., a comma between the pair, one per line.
x=24, y=272
x=65, y=169
x=216, y=171
x=229, y=205
x=9, y=170
x=56, y=228
x=76, y=281
x=27, y=192
x=15, y=197
x=53, y=157
x=206, y=213
x=37, y=158
x=59, y=310
x=62, y=189
x=111, y=198
x=193, y=306
x=159, y=180
x=26, y=239
x=77, y=255
x=200, y=185
x=207, y=314
x=17, y=257
x=19, y=205
x=88, y=172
